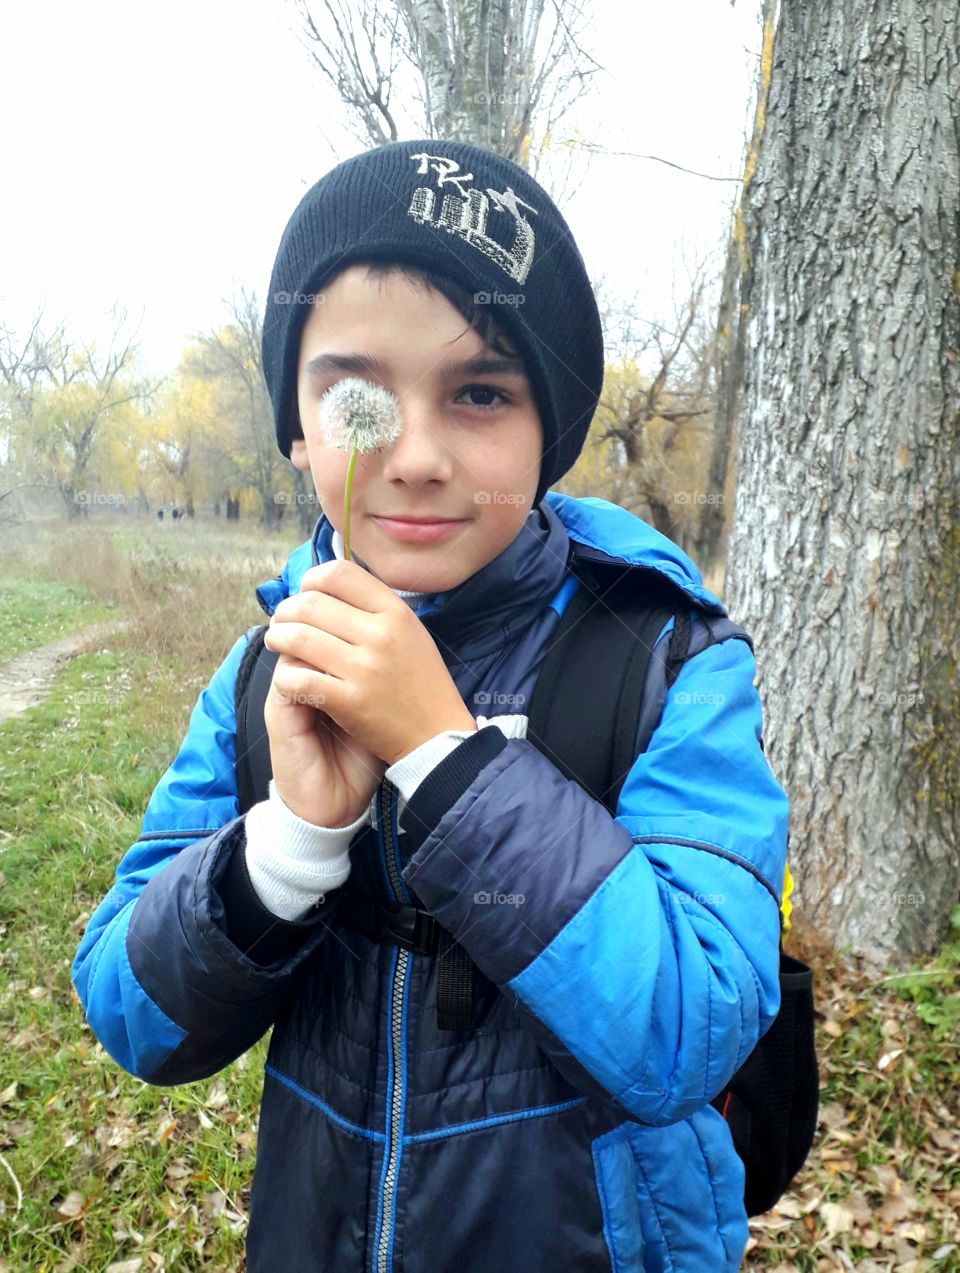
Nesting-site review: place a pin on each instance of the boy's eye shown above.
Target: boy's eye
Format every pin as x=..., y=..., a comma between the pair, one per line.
x=484, y=393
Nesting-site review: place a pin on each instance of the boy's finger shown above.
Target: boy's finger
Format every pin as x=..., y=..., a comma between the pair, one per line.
x=351, y=583
x=319, y=649
x=324, y=611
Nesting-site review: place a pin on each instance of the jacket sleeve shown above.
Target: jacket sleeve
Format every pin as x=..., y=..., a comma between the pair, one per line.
x=181, y=969
x=643, y=950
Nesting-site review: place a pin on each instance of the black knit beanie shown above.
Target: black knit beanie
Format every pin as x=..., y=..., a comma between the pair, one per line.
x=478, y=219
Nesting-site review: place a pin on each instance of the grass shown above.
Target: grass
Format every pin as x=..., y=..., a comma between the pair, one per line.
x=109, y=1169
x=35, y=612
x=112, y=1170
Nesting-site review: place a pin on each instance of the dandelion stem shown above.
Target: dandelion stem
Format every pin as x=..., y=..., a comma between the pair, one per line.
x=348, y=487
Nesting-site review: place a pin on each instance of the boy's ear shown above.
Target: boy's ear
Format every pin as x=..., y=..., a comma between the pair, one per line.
x=298, y=455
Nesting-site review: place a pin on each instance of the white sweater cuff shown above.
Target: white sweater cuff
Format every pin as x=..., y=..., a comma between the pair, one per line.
x=292, y=863
x=407, y=773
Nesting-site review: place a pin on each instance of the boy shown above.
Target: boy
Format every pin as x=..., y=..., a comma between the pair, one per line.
x=634, y=966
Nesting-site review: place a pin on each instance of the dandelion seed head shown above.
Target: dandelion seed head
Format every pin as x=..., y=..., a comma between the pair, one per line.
x=355, y=413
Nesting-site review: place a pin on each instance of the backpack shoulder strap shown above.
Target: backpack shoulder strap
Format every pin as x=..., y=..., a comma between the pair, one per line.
x=593, y=681
x=252, y=685
x=605, y=646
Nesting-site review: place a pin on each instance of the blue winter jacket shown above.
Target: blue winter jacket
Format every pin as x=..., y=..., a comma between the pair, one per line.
x=572, y=1130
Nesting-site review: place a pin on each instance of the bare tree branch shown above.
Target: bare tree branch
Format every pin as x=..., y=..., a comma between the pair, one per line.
x=597, y=149
x=486, y=73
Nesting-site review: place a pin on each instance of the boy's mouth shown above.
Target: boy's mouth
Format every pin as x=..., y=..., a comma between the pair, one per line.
x=418, y=529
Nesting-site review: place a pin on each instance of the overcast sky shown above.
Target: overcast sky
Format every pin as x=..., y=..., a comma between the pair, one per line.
x=154, y=153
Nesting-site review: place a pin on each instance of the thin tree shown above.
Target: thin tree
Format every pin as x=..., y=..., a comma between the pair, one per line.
x=59, y=397
x=674, y=398
x=247, y=449
x=732, y=318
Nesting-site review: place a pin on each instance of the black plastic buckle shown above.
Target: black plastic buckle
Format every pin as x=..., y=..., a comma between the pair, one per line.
x=411, y=928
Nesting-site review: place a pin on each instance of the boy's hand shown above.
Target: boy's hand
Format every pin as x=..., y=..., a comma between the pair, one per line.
x=320, y=774
x=356, y=651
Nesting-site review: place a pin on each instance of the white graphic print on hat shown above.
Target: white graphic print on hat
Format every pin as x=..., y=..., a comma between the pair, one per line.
x=465, y=213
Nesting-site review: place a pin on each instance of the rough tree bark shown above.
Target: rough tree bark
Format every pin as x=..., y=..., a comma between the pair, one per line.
x=845, y=544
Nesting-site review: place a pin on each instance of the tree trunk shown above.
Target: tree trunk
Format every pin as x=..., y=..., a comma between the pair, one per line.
x=731, y=330
x=845, y=542
x=727, y=405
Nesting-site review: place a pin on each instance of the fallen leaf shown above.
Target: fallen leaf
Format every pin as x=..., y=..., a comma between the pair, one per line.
x=217, y=1094
x=915, y=1232
x=787, y=1206
x=166, y=1127
x=72, y=1206
x=837, y=1217
x=18, y=1128
x=858, y=1204
x=899, y=1204
x=946, y=1138
x=834, y=1115
x=23, y=1038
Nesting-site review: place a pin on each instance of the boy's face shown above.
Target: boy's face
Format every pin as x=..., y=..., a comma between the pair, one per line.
x=471, y=440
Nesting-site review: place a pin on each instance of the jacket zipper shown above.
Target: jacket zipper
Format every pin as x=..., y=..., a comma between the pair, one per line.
x=395, y=1095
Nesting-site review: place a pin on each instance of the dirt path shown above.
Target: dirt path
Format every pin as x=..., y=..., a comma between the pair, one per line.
x=25, y=679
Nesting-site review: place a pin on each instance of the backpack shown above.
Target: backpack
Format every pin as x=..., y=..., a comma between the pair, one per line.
x=605, y=639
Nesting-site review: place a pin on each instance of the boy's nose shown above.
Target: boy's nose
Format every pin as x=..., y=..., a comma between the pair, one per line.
x=419, y=454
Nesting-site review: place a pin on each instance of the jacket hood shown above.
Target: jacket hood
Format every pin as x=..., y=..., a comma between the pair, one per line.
x=604, y=531
x=532, y=568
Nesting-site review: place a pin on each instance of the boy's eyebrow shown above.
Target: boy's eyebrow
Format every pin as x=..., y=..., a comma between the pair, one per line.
x=322, y=364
